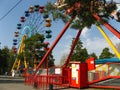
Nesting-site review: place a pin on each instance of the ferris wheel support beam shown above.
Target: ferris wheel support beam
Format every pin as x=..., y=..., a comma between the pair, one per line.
x=109, y=41
x=16, y=64
x=108, y=26
x=54, y=44
x=72, y=48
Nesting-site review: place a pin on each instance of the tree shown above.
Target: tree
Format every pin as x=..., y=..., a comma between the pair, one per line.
x=79, y=53
x=10, y=60
x=93, y=55
x=34, y=50
x=84, y=10
x=6, y=60
x=106, y=54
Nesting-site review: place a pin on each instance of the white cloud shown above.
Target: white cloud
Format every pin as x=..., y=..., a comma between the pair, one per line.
x=117, y=1
x=96, y=44
x=115, y=40
x=85, y=32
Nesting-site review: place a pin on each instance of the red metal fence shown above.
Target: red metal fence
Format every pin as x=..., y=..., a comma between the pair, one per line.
x=45, y=82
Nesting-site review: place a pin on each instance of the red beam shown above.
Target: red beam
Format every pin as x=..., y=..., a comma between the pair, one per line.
x=54, y=44
x=108, y=26
x=72, y=48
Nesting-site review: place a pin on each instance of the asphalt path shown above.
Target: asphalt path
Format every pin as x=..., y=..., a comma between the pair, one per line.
x=22, y=86
x=15, y=86
x=17, y=83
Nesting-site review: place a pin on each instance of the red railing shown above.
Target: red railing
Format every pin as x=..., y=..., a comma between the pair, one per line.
x=45, y=81
x=28, y=79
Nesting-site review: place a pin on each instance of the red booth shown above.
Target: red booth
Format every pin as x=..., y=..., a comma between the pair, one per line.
x=91, y=63
x=79, y=75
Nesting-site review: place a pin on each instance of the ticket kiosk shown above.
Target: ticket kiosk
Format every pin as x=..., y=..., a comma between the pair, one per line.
x=79, y=76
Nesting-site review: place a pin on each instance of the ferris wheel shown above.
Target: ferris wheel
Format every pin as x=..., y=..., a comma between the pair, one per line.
x=33, y=21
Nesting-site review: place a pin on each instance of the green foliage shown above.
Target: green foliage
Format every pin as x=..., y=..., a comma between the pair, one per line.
x=106, y=54
x=6, y=60
x=34, y=49
x=83, y=10
x=76, y=24
x=51, y=60
x=56, y=14
x=20, y=56
x=93, y=55
x=33, y=45
x=34, y=42
x=79, y=53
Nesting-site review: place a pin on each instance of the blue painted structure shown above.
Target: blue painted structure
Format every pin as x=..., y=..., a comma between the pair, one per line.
x=106, y=60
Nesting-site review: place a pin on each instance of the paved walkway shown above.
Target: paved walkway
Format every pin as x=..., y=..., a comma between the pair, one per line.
x=13, y=86
x=21, y=86
x=16, y=83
